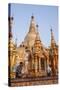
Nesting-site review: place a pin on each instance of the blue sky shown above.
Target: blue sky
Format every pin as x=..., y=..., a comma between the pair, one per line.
x=45, y=16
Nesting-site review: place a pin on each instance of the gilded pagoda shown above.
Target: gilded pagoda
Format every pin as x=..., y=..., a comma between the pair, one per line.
x=35, y=57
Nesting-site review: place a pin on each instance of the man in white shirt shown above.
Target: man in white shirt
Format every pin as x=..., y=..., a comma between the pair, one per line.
x=49, y=70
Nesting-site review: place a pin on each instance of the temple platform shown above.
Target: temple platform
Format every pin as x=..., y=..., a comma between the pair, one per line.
x=44, y=80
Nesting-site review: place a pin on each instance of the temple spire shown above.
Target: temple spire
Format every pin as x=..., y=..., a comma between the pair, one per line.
x=52, y=38
x=37, y=39
x=32, y=25
x=37, y=34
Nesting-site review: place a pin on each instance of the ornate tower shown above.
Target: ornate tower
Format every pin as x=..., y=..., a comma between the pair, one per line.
x=31, y=35
x=11, y=45
x=37, y=45
x=38, y=55
x=32, y=25
x=53, y=43
x=54, y=55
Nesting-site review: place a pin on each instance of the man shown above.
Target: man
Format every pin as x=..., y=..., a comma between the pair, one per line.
x=49, y=70
x=19, y=70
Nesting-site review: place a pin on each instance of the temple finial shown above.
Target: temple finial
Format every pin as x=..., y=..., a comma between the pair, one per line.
x=37, y=28
x=37, y=34
x=32, y=17
x=52, y=38
x=32, y=25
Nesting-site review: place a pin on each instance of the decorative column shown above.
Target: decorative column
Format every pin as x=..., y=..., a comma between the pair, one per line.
x=39, y=64
x=56, y=65
x=45, y=65
x=26, y=63
x=36, y=65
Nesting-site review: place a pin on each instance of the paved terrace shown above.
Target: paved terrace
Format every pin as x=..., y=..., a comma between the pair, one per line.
x=34, y=81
